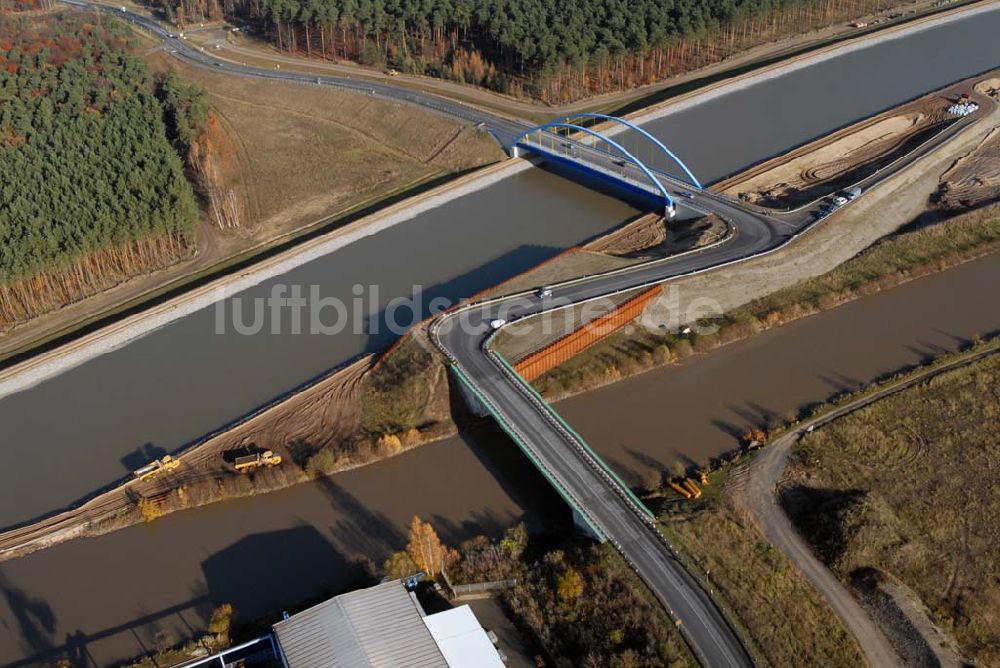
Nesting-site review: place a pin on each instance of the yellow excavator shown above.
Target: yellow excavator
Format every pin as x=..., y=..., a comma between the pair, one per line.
x=150, y=470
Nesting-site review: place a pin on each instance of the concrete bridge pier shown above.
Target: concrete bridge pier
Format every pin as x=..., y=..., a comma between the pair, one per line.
x=471, y=398
x=584, y=527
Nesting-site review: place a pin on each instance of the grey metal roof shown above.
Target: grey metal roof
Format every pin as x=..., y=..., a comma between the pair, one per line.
x=378, y=627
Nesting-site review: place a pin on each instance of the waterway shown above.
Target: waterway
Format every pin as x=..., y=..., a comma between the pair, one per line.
x=93, y=424
x=736, y=130
x=113, y=596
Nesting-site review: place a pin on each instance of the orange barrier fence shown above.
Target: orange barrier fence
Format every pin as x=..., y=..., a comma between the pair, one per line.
x=557, y=352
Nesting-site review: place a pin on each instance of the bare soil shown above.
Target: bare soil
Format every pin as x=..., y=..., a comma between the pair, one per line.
x=838, y=238
x=844, y=157
x=651, y=236
x=974, y=179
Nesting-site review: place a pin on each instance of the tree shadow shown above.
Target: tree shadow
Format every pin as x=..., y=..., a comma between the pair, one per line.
x=822, y=516
x=266, y=572
x=840, y=383
x=35, y=620
x=730, y=429
x=542, y=507
x=366, y=533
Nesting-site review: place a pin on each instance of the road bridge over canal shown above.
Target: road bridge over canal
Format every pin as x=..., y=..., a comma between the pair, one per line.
x=596, y=143
x=600, y=501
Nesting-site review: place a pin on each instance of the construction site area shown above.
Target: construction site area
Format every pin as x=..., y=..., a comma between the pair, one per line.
x=334, y=424
x=851, y=154
x=974, y=179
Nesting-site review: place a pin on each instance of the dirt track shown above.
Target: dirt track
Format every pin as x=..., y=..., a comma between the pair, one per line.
x=758, y=495
x=846, y=156
x=974, y=179
x=838, y=238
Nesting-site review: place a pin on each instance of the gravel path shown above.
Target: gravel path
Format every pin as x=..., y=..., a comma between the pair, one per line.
x=757, y=494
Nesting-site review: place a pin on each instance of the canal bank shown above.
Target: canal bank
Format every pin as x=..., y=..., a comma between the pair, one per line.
x=113, y=594
x=183, y=380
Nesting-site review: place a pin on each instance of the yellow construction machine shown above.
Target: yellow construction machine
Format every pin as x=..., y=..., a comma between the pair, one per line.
x=150, y=470
x=248, y=463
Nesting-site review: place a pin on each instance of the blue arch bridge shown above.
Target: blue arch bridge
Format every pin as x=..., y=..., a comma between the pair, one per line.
x=610, y=148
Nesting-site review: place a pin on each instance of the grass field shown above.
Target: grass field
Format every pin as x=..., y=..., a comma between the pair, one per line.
x=302, y=153
x=907, y=487
x=789, y=622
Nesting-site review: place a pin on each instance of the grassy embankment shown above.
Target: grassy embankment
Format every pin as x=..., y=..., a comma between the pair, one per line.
x=402, y=403
x=788, y=620
x=277, y=163
x=895, y=260
x=906, y=487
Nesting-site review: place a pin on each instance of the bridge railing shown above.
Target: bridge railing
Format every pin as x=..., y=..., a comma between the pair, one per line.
x=530, y=451
x=568, y=143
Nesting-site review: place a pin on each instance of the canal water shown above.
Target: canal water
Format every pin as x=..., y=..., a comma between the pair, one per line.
x=113, y=596
x=734, y=131
x=92, y=425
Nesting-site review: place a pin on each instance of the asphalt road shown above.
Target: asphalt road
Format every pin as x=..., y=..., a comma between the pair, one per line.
x=464, y=336
x=504, y=129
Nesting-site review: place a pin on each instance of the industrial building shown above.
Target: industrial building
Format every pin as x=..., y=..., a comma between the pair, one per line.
x=380, y=627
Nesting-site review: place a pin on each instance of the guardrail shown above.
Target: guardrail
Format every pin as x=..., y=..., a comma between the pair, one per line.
x=531, y=453
x=570, y=435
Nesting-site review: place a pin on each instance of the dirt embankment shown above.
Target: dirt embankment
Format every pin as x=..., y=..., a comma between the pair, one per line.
x=651, y=236
x=849, y=155
x=355, y=416
x=974, y=179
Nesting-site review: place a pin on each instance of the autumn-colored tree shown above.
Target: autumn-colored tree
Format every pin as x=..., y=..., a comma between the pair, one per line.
x=221, y=622
x=149, y=509
x=569, y=586
x=399, y=565
x=426, y=549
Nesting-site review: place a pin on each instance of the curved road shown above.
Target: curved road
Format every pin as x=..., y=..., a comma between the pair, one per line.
x=464, y=336
x=577, y=473
x=504, y=129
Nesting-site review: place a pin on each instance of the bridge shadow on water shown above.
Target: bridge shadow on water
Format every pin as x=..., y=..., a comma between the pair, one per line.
x=542, y=509
x=384, y=328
